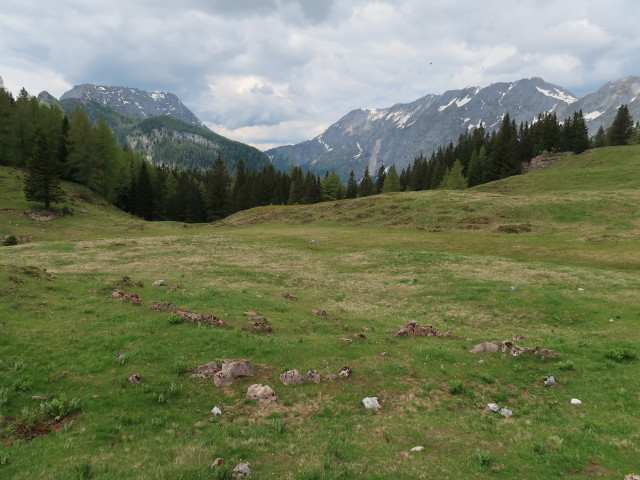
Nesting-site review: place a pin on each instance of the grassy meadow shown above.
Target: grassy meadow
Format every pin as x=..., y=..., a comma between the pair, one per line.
x=567, y=237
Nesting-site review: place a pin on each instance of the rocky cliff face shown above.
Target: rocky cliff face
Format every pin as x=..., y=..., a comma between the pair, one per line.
x=135, y=102
x=396, y=135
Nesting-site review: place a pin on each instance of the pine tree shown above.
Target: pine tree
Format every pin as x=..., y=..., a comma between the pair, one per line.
x=366, y=185
x=600, y=138
x=352, y=186
x=41, y=183
x=380, y=180
x=332, y=188
x=217, y=197
x=621, y=129
x=391, y=181
x=580, y=140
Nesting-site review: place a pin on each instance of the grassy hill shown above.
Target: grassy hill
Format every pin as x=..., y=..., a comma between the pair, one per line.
x=446, y=259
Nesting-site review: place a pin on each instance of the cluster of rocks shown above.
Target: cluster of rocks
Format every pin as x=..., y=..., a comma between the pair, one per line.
x=242, y=470
x=126, y=297
x=494, y=408
x=507, y=346
x=294, y=377
x=257, y=322
x=229, y=370
x=412, y=328
x=186, y=315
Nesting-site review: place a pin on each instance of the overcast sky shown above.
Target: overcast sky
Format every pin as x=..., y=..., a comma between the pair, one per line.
x=273, y=72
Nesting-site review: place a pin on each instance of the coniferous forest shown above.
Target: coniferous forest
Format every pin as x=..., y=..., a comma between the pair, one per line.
x=52, y=146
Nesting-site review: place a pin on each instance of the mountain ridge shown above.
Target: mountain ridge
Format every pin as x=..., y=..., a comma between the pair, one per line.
x=397, y=134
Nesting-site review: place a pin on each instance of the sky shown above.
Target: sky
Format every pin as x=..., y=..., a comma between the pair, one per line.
x=277, y=72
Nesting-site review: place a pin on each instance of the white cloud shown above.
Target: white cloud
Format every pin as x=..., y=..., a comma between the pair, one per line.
x=280, y=71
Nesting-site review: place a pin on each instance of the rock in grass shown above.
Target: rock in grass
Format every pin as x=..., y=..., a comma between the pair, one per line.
x=216, y=411
x=291, y=377
x=418, y=448
x=206, y=370
x=550, y=381
x=505, y=412
x=575, y=401
x=218, y=462
x=345, y=371
x=492, y=407
x=263, y=394
x=135, y=379
x=242, y=470
x=311, y=376
x=371, y=403
x=232, y=369
x=159, y=283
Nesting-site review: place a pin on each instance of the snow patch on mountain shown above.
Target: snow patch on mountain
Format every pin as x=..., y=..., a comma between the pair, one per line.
x=557, y=94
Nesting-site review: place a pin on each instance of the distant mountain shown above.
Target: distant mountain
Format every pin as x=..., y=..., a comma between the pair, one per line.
x=156, y=127
x=600, y=107
x=135, y=102
x=396, y=135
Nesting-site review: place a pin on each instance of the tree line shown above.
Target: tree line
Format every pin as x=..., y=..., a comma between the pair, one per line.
x=52, y=146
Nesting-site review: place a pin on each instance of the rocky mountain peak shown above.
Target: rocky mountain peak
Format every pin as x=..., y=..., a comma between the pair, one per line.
x=135, y=102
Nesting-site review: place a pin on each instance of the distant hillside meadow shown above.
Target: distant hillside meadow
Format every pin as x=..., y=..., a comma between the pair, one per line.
x=488, y=332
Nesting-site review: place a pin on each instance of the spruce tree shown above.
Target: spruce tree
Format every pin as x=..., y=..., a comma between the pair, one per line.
x=41, y=183
x=366, y=185
x=217, y=197
x=352, y=186
x=621, y=129
x=380, y=180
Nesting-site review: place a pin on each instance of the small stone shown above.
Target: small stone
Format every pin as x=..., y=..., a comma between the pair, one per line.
x=513, y=288
x=550, y=381
x=218, y=462
x=505, y=412
x=480, y=362
x=313, y=242
x=580, y=289
x=371, y=402
x=38, y=397
x=216, y=411
x=291, y=377
x=242, y=470
x=95, y=396
x=492, y=407
x=135, y=379
x=159, y=283
x=418, y=448
x=120, y=357
x=575, y=401
x=311, y=376
x=345, y=371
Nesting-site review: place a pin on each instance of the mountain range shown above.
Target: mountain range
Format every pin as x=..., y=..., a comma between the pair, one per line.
x=397, y=134
x=158, y=126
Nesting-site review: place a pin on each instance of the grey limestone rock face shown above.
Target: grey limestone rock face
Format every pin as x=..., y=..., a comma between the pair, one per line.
x=136, y=102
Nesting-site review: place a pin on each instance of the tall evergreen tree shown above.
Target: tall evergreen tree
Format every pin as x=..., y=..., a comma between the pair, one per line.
x=41, y=183
x=621, y=129
x=366, y=184
x=217, y=197
x=453, y=179
x=380, y=180
x=352, y=186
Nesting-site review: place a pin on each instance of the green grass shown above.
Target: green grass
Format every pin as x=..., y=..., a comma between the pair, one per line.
x=577, y=280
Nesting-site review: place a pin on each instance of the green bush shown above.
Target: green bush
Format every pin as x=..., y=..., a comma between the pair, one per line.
x=456, y=387
x=621, y=354
x=59, y=408
x=10, y=240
